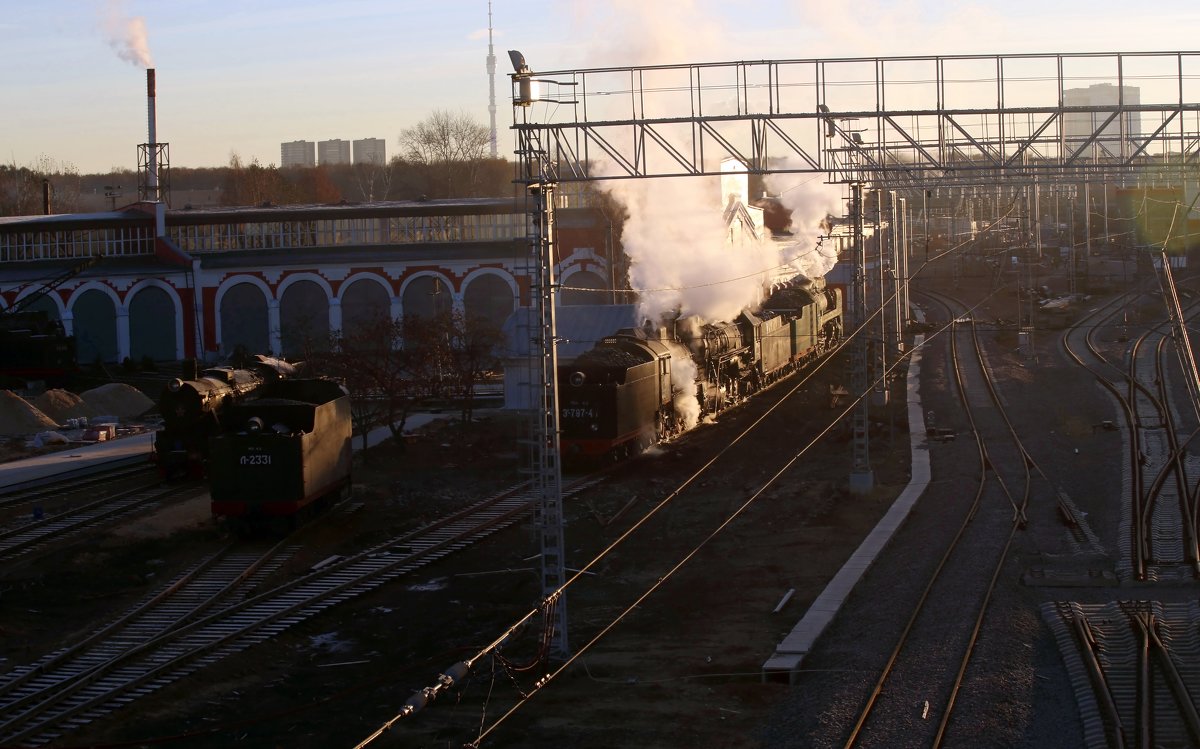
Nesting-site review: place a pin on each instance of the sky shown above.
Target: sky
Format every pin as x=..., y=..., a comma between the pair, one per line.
x=236, y=77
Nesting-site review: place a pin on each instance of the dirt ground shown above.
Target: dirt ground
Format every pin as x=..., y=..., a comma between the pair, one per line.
x=667, y=632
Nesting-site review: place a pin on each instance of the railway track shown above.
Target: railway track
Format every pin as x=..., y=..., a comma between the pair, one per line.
x=1133, y=665
x=206, y=636
x=1159, y=506
x=220, y=579
x=934, y=651
x=34, y=533
x=23, y=496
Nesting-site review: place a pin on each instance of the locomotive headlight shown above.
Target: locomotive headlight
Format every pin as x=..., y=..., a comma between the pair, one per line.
x=577, y=378
x=174, y=385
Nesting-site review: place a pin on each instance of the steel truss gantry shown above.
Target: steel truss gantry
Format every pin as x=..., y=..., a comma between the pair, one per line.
x=965, y=119
x=887, y=122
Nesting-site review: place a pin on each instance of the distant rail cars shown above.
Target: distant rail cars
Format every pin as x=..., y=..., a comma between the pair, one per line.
x=34, y=346
x=636, y=388
x=194, y=410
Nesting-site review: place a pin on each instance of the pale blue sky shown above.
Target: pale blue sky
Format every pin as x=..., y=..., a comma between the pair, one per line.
x=243, y=76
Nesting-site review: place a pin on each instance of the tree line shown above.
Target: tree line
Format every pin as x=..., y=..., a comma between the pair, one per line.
x=443, y=156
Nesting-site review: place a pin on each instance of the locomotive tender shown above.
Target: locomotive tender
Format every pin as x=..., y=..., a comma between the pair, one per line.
x=286, y=455
x=636, y=388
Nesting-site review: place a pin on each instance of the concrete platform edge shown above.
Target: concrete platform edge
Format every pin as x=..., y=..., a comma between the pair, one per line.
x=790, y=652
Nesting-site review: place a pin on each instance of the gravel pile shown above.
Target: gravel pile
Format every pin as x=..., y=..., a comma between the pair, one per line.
x=118, y=399
x=61, y=405
x=18, y=416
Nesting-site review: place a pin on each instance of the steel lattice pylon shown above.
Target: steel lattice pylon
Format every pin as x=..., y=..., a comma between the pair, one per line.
x=543, y=370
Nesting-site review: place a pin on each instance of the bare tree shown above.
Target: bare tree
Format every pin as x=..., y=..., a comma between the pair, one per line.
x=21, y=187
x=252, y=184
x=394, y=368
x=369, y=362
x=374, y=180
x=450, y=149
x=474, y=345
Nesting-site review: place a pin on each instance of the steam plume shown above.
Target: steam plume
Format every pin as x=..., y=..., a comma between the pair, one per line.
x=809, y=200
x=126, y=35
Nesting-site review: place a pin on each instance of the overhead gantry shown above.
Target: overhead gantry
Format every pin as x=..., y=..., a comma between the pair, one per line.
x=966, y=119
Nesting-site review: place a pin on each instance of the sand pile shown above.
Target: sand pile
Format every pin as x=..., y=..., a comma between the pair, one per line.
x=117, y=399
x=17, y=416
x=61, y=405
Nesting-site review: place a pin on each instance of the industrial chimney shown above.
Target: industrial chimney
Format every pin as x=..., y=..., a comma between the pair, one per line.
x=152, y=151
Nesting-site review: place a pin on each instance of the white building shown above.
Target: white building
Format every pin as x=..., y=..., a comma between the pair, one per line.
x=1078, y=127
x=333, y=152
x=298, y=153
x=370, y=151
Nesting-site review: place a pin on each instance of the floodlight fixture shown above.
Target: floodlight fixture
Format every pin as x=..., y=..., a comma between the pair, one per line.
x=518, y=62
x=527, y=92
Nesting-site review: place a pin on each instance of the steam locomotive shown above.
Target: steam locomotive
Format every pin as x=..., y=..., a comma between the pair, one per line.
x=195, y=409
x=274, y=446
x=638, y=387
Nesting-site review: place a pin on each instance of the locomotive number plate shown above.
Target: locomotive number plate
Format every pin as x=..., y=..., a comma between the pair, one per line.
x=256, y=460
x=579, y=413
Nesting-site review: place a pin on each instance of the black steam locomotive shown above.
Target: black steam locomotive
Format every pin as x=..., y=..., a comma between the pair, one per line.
x=286, y=455
x=638, y=387
x=195, y=409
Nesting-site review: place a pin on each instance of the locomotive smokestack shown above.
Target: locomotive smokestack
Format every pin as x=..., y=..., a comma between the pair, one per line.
x=152, y=161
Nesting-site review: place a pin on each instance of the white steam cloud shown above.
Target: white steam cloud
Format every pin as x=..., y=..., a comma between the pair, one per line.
x=810, y=201
x=681, y=259
x=685, y=259
x=126, y=34
x=683, y=256
x=683, y=378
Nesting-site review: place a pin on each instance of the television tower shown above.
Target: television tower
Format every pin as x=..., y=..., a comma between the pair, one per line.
x=491, y=69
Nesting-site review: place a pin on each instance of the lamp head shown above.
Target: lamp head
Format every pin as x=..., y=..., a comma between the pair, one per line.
x=518, y=61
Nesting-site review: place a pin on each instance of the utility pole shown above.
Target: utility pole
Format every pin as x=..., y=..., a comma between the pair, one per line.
x=548, y=473
x=547, y=470
x=879, y=370
x=861, y=478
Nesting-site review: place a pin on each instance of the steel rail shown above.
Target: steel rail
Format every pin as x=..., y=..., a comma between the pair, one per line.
x=1089, y=649
x=21, y=540
x=164, y=659
x=17, y=496
x=199, y=588
x=955, y=544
